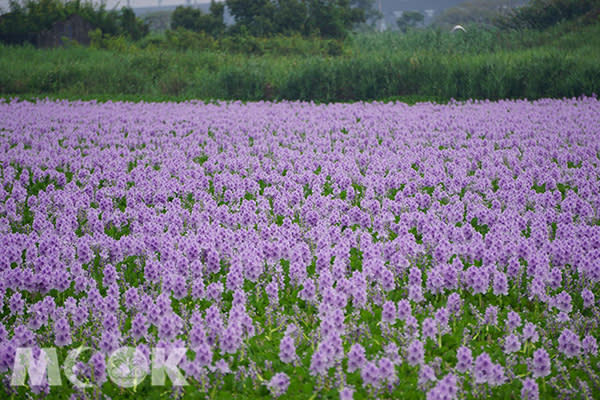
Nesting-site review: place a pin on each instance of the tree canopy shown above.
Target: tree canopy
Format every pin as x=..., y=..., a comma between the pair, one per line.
x=328, y=18
x=194, y=19
x=541, y=14
x=409, y=19
x=34, y=16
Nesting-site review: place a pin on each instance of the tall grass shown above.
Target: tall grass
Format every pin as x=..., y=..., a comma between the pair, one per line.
x=426, y=64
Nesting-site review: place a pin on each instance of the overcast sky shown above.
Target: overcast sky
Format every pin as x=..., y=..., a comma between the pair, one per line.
x=121, y=3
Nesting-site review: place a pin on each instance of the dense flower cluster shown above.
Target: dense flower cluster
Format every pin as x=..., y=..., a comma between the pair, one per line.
x=379, y=249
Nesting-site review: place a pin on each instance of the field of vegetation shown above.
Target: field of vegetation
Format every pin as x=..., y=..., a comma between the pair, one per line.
x=264, y=219
x=302, y=251
x=485, y=62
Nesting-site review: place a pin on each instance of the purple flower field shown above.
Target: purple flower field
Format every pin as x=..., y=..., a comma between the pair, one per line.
x=303, y=251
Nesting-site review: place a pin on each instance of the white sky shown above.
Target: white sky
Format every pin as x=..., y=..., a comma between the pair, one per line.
x=120, y=3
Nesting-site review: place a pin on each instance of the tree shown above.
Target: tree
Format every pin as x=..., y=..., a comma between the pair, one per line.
x=409, y=19
x=194, y=19
x=131, y=25
x=371, y=14
x=291, y=16
x=26, y=19
x=540, y=14
x=473, y=12
x=329, y=18
x=252, y=16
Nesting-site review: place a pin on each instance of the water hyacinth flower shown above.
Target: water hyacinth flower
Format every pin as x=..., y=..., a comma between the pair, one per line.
x=404, y=309
x=512, y=343
x=415, y=353
x=569, y=343
x=62, y=333
x=513, y=321
x=388, y=313
x=429, y=328
x=590, y=345
x=426, y=375
x=464, y=359
x=287, y=349
x=347, y=393
x=320, y=361
x=387, y=370
x=483, y=369
x=530, y=332
x=205, y=225
x=588, y=298
x=445, y=389
x=278, y=384
x=540, y=363
x=530, y=390
x=491, y=315
x=562, y=301
x=356, y=357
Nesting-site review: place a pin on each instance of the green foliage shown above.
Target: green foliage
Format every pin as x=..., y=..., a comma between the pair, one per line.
x=25, y=20
x=482, y=12
x=410, y=19
x=420, y=65
x=541, y=14
x=195, y=20
x=132, y=26
x=329, y=19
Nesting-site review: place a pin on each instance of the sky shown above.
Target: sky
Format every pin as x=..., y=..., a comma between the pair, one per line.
x=134, y=3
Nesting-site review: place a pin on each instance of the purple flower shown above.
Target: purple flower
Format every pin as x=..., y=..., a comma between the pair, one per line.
x=347, y=393
x=497, y=377
x=429, y=329
x=500, y=285
x=569, y=343
x=588, y=298
x=287, y=349
x=404, y=309
x=415, y=293
x=530, y=332
x=415, y=353
x=98, y=367
x=16, y=303
x=197, y=335
x=388, y=313
x=491, y=315
x=454, y=303
x=231, y=339
x=204, y=355
x=590, y=345
x=562, y=301
x=278, y=384
x=62, y=333
x=370, y=374
x=513, y=320
x=356, y=357
x=319, y=362
x=530, y=390
x=512, y=343
x=464, y=359
x=387, y=370
x=483, y=369
x=445, y=389
x=540, y=365
x=442, y=317
x=426, y=375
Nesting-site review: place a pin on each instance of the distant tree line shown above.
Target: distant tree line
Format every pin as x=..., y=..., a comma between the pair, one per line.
x=532, y=14
x=254, y=20
x=263, y=18
x=541, y=14
x=33, y=16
